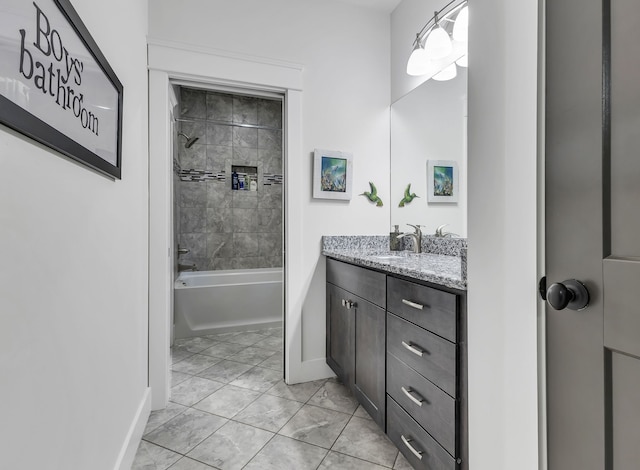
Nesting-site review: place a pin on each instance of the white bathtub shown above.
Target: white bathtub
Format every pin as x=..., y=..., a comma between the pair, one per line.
x=210, y=302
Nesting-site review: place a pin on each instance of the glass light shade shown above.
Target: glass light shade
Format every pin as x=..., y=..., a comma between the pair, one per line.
x=418, y=62
x=461, y=26
x=447, y=74
x=463, y=61
x=438, y=44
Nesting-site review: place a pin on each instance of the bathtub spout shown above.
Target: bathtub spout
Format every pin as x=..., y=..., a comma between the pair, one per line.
x=187, y=267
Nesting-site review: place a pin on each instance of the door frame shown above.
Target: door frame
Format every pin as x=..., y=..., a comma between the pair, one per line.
x=169, y=61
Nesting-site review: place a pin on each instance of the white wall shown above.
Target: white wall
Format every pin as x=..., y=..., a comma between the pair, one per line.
x=503, y=415
x=345, y=106
x=73, y=282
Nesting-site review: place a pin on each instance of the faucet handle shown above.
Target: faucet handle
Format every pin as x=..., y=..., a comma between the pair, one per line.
x=417, y=227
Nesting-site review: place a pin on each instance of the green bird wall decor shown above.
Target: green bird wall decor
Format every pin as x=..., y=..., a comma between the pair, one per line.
x=373, y=195
x=408, y=197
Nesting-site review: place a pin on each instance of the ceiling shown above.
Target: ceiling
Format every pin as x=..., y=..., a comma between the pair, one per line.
x=384, y=5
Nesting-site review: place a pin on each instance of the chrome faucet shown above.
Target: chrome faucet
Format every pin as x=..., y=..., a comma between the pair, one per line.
x=187, y=267
x=441, y=234
x=417, y=238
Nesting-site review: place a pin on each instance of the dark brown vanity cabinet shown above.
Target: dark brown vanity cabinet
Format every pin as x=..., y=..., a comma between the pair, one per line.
x=400, y=345
x=356, y=333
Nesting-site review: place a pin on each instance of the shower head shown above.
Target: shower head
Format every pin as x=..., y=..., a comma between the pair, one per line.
x=190, y=140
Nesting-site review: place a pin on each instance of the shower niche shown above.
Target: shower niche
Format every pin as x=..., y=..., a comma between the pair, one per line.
x=244, y=178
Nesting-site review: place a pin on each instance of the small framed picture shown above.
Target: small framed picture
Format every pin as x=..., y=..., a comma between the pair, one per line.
x=442, y=181
x=332, y=174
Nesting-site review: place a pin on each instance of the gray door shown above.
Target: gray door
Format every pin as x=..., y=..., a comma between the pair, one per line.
x=593, y=232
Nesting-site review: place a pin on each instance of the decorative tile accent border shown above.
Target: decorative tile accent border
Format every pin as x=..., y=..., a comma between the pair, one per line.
x=272, y=178
x=201, y=175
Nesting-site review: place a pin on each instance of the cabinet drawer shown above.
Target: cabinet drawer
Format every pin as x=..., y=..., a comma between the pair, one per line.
x=370, y=285
x=433, y=409
x=430, y=308
x=430, y=355
x=406, y=434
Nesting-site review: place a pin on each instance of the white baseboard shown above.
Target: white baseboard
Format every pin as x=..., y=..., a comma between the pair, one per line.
x=134, y=436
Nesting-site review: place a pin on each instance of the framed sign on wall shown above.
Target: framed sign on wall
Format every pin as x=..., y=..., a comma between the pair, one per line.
x=56, y=87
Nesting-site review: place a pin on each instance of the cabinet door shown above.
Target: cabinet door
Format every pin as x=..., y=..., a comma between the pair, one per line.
x=368, y=383
x=339, y=356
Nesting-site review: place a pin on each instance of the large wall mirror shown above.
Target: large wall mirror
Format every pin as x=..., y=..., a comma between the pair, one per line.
x=430, y=124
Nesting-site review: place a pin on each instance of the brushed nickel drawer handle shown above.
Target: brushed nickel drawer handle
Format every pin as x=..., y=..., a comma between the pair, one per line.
x=411, y=397
x=415, y=350
x=414, y=451
x=412, y=304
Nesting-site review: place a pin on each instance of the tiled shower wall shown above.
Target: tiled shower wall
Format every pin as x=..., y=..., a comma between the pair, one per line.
x=223, y=228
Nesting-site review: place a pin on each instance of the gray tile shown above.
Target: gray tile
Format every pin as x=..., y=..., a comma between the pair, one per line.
x=402, y=463
x=335, y=397
x=361, y=413
x=218, y=219
x=250, y=262
x=159, y=417
x=219, y=107
x=153, y=457
x=362, y=438
x=223, y=350
x=192, y=129
x=252, y=355
x=196, y=243
x=192, y=158
x=225, y=371
x=271, y=160
x=245, y=110
x=270, y=221
x=193, y=193
x=335, y=460
x=271, y=342
x=193, y=390
x=185, y=431
x=270, y=197
x=186, y=463
x=218, y=134
x=245, y=137
x=178, y=377
x=194, y=364
x=248, y=339
x=268, y=412
x=314, y=425
x=275, y=331
x=245, y=244
x=270, y=113
x=222, y=263
x=228, y=401
x=245, y=220
x=193, y=103
x=270, y=139
x=218, y=194
x=258, y=379
x=299, y=392
x=220, y=245
x=245, y=156
x=193, y=220
x=245, y=200
x=271, y=261
x=224, y=336
x=232, y=446
x=282, y=452
x=179, y=355
x=217, y=157
x=195, y=344
x=275, y=362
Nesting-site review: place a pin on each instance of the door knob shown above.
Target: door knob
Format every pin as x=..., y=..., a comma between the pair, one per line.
x=571, y=294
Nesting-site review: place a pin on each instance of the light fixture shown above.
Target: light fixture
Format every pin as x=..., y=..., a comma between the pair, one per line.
x=447, y=74
x=434, y=52
x=418, y=60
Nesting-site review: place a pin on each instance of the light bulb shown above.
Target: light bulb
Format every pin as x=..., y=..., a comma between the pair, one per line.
x=418, y=62
x=438, y=44
x=461, y=26
x=447, y=74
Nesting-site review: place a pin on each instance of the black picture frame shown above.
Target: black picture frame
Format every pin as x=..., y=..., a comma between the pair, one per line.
x=21, y=120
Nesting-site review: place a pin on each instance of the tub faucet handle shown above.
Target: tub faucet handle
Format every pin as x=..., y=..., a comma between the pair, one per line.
x=183, y=251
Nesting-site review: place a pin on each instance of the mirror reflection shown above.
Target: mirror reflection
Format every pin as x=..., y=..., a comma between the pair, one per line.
x=429, y=125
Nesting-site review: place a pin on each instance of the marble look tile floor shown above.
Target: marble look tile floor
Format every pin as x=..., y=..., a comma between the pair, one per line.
x=230, y=409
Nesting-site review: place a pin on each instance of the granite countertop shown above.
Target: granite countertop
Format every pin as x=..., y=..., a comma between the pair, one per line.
x=439, y=269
